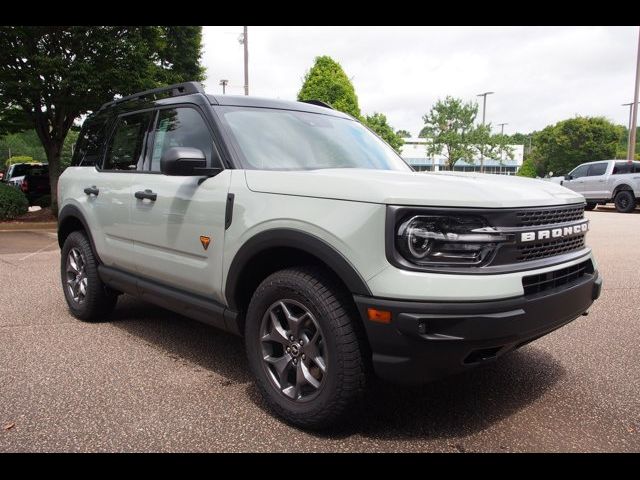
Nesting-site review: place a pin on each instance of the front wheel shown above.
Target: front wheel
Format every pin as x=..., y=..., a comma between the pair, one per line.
x=625, y=201
x=590, y=206
x=304, y=347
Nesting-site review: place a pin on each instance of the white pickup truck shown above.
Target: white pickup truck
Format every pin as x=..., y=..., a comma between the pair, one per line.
x=606, y=181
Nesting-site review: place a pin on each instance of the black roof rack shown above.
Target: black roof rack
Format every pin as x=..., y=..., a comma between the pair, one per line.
x=176, y=90
x=319, y=103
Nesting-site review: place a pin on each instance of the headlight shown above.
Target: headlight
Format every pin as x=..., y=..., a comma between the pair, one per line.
x=447, y=240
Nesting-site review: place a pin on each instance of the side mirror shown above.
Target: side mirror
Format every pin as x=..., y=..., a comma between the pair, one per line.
x=185, y=161
x=568, y=177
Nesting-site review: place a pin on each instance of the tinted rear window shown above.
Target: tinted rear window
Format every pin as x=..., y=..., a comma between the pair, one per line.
x=622, y=168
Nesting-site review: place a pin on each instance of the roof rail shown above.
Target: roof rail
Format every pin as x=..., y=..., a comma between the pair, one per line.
x=176, y=90
x=319, y=103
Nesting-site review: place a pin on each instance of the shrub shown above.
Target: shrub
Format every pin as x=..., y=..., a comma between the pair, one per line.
x=13, y=203
x=19, y=159
x=527, y=169
x=44, y=201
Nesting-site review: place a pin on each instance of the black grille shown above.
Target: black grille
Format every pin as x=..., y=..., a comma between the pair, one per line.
x=545, y=281
x=548, y=216
x=549, y=249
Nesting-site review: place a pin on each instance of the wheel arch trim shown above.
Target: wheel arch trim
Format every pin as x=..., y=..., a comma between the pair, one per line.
x=69, y=213
x=298, y=240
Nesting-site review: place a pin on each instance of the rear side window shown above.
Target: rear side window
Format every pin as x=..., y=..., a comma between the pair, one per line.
x=620, y=168
x=126, y=148
x=38, y=171
x=597, y=169
x=182, y=127
x=89, y=144
x=19, y=170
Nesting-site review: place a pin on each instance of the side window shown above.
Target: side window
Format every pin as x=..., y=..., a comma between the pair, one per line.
x=89, y=144
x=182, y=127
x=596, y=169
x=580, y=171
x=620, y=168
x=126, y=148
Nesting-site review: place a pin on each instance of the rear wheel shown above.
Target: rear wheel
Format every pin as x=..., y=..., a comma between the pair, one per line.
x=304, y=348
x=625, y=201
x=87, y=297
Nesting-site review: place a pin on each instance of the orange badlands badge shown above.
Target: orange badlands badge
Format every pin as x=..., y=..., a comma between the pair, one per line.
x=205, y=241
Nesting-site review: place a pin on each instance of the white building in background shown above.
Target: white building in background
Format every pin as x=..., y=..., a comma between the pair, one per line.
x=414, y=152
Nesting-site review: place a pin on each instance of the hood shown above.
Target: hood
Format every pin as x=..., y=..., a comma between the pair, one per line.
x=450, y=189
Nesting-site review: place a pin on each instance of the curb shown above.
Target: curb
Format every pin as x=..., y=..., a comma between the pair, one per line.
x=27, y=226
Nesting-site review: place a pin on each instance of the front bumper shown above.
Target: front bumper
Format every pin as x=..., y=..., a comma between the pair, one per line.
x=426, y=341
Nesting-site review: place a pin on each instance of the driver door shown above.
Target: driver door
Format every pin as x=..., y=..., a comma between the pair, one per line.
x=179, y=233
x=577, y=179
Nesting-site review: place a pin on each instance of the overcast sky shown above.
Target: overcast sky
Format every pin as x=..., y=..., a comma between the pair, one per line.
x=540, y=75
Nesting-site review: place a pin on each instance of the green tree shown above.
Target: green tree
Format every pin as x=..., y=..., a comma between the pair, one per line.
x=50, y=75
x=527, y=169
x=563, y=146
x=449, y=126
x=403, y=133
x=623, y=143
x=378, y=123
x=423, y=133
x=20, y=159
x=518, y=138
x=495, y=147
x=24, y=143
x=326, y=81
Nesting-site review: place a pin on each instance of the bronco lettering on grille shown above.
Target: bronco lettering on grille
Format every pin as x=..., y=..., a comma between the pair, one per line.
x=554, y=232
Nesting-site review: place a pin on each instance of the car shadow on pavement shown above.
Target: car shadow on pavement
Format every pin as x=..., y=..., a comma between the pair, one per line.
x=463, y=404
x=612, y=209
x=452, y=407
x=183, y=339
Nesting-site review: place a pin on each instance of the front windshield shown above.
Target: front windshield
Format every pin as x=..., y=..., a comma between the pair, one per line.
x=271, y=139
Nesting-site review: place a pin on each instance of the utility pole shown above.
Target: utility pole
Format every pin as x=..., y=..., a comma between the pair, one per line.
x=244, y=40
x=634, y=115
x=630, y=104
x=501, y=125
x=224, y=85
x=484, y=113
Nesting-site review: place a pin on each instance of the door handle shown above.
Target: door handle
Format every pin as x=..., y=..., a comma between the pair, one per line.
x=147, y=194
x=92, y=190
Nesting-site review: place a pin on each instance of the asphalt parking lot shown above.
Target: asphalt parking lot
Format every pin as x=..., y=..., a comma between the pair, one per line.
x=150, y=380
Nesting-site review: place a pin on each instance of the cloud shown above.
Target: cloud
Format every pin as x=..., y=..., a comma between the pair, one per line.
x=540, y=74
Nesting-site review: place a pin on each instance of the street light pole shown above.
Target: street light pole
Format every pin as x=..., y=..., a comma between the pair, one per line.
x=245, y=42
x=501, y=125
x=484, y=113
x=224, y=84
x=634, y=115
x=630, y=104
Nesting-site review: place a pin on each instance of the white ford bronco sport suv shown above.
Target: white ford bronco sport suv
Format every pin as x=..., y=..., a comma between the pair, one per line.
x=293, y=225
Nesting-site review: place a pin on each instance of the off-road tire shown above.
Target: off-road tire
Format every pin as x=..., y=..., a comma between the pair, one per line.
x=99, y=300
x=344, y=386
x=625, y=201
